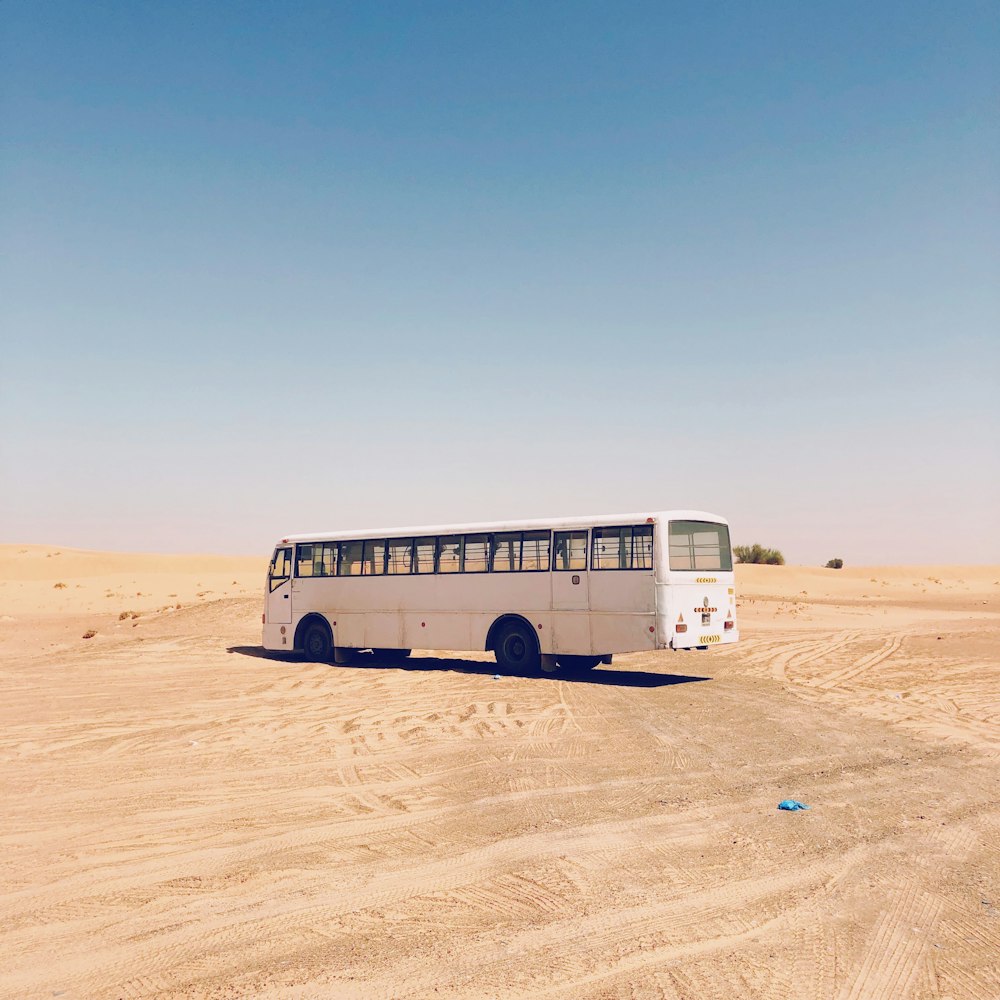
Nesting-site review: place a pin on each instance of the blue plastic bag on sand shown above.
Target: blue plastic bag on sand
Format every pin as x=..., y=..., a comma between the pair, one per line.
x=790, y=805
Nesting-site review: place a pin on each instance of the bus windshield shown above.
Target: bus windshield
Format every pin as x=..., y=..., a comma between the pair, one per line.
x=700, y=545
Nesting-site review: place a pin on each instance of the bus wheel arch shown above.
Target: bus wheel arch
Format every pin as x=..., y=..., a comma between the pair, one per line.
x=314, y=637
x=514, y=643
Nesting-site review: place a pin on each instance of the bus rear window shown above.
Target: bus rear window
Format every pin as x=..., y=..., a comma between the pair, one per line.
x=700, y=545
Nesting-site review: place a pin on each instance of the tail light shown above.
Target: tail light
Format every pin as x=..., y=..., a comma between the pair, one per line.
x=729, y=624
x=680, y=628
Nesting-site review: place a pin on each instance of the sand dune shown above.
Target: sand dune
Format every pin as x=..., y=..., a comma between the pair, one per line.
x=184, y=817
x=45, y=580
x=937, y=586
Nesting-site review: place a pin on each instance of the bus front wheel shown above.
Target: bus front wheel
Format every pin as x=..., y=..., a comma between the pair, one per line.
x=317, y=643
x=516, y=649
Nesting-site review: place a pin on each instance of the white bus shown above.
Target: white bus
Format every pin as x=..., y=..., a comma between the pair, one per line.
x=562, y=592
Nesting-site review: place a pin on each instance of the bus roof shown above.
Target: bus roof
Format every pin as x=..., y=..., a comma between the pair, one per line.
x=595, y=520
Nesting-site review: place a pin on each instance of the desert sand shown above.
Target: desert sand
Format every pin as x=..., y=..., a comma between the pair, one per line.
x=185, y=817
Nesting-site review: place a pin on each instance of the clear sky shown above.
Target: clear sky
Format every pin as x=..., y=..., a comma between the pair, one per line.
x=274, y=267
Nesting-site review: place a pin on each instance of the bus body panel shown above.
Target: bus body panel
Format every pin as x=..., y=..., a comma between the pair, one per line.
x=622, y=633
x=378, y=630
x=623, y=611
x=279, y=604
x=571, y=633
x=277, y=637
x=571, y=619
x=437, y=630
x=613, y=590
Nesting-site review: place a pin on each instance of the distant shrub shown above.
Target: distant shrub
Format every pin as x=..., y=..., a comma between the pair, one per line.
x=835, y=564
x=59, y=586
x=89, y=634
x=758, y=554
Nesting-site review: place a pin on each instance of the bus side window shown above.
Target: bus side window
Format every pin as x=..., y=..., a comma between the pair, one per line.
x=623, y=548
x=475, y=554
x=324, y=559
x=507, y=552
x=610, y=551
x=399, y=555
x=304, y=560
x=350, y=559
x=535, y=551
x=424, y=549
x=642, y=546
x=599, y=555
x=570, y=551
x=374, y=557
x=450, y=554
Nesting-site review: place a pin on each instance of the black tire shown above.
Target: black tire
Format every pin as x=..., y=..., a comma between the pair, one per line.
x=317, y=642
x=390, y=655
x=516, y=649
x=580, y=662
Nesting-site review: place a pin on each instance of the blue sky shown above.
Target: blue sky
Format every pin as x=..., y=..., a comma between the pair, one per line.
x=271, y=268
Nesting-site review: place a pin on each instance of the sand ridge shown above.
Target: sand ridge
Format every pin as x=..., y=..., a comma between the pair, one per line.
x=184, y=817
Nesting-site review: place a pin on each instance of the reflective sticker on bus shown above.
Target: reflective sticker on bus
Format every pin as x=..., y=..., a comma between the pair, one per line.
x=706, y=639
x=707, y=579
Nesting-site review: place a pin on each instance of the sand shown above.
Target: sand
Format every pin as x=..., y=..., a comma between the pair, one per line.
x=184, y=817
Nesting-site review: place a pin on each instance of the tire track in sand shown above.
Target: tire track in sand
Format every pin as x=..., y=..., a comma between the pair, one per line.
x=275, y=920
x=864, y=664
x=899, y=948
x=568, y=957
x=797, y=655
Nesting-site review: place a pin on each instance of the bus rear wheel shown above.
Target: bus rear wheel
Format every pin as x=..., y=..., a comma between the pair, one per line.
x=516, y=649
x=317, y=643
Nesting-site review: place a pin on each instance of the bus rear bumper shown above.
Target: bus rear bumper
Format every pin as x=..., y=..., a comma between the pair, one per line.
x=699, y=641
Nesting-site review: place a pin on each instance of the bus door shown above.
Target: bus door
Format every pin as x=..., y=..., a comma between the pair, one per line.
x=570, y=591
x=279, y=588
